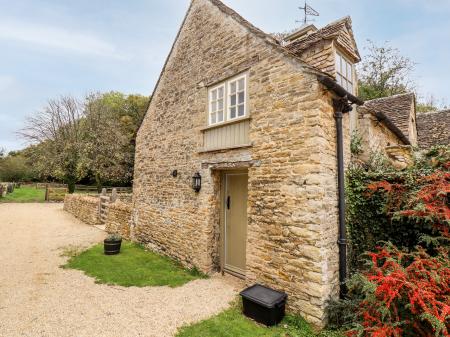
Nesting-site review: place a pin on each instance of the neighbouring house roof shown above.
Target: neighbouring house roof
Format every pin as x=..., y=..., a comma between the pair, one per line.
x=433, y=128
x=396, y=108
x=340, y=31
x=382, y=118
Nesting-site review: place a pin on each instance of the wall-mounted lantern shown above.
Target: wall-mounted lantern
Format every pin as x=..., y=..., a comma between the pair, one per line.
x=197, y=182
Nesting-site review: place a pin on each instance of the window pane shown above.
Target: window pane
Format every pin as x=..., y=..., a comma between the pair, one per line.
x=213, y=118
x=241, y=110
x=213, y=106
x=339, y=68
x=339, y=79
x=214, y=95
x=241, y=97
x=220, y=116
x=350, y=88
x=220, y=104
x=232, y=87
x=349, y=71
x=338, y=63
x=233, y=100
x=241, y=84
x=220, y=92
x=233, y=112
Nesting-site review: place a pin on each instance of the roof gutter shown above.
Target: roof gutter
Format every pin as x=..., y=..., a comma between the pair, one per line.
x=332, y=85
x=341, y=105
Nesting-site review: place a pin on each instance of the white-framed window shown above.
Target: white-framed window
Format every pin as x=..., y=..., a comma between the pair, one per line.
x=217, y=104
x=344, y=73
x=227, y=101
x=236, y=98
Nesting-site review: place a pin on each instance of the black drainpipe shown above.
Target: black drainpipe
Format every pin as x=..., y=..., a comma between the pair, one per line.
x=341, y=105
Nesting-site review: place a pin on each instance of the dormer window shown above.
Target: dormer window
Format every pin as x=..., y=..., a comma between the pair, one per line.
x=228, y=100
x=344, y=73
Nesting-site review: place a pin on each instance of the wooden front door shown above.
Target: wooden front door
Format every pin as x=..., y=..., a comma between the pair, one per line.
x=235, y=204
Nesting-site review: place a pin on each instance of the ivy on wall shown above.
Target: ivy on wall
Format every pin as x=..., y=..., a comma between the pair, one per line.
x=377, y=199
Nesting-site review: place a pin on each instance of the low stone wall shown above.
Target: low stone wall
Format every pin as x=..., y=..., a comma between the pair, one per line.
x=86, y=208
x=83, y=207
x=118, y=219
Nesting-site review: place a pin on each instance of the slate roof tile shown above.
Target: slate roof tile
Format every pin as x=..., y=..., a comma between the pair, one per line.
x=397, y=108
x=433, y=128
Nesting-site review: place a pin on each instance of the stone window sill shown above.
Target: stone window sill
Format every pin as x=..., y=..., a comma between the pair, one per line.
x=234, y=121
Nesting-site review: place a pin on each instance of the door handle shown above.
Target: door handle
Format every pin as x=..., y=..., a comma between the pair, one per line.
x=228, y=202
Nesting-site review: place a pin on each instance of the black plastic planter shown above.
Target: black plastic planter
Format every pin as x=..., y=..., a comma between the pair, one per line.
x=264, y=305
x=112, y=247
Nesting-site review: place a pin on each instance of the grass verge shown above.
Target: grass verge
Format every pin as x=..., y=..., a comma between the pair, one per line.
x=134, y=266
x=232, y=323
x=25, y=194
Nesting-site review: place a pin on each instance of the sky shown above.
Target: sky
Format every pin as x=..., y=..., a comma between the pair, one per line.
x=59, y=47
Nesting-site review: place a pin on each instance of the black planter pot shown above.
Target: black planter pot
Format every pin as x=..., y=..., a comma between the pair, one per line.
x=112, y=247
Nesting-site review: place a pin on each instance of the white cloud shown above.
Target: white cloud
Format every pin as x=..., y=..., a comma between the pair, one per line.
x=57, y=38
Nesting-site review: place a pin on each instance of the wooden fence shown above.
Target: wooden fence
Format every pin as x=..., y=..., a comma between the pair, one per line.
x=55, y=194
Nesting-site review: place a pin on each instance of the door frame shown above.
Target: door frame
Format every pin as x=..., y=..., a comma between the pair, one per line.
x=223, y=186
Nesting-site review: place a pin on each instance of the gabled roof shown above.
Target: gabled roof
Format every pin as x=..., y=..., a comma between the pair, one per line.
x=258, y=32
x=397, y=109
x=433, y=128
x=336, y=30
x=251, y=28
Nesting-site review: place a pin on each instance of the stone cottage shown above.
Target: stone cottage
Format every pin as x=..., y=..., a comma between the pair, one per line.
x=239, y=156
x=387, y=126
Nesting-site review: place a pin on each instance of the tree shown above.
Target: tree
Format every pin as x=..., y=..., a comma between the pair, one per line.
x=14, y=168
x=109, y=131
x=431, y=103
x=57, y=129
x=384, y=72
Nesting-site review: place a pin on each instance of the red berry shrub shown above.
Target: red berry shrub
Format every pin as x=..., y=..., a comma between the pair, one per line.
x=403, y=292
x=406, y=294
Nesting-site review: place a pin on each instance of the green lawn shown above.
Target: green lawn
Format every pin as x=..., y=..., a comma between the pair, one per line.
x=25, y=194
x=232, y=323
x=134, y=266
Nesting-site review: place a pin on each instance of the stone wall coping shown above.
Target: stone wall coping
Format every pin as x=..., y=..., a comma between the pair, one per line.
x=85, y=198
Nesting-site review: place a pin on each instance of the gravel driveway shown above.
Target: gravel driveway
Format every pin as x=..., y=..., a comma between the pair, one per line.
x=37, y=298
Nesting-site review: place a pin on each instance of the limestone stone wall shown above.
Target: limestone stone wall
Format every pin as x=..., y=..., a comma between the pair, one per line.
x=118, y=219
x=82, y=207
x=321, y=56
x=375, y=136
x=292, y=193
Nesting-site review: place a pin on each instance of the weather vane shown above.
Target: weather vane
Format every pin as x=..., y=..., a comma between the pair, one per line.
x=309, y=11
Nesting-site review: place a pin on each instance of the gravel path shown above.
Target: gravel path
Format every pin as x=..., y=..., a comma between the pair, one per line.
x=37, y=298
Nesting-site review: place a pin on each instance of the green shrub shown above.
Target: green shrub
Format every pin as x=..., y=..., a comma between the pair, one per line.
x=373, y=210
x=395, y=291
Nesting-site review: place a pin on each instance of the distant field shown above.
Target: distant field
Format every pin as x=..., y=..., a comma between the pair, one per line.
x=25, y=194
